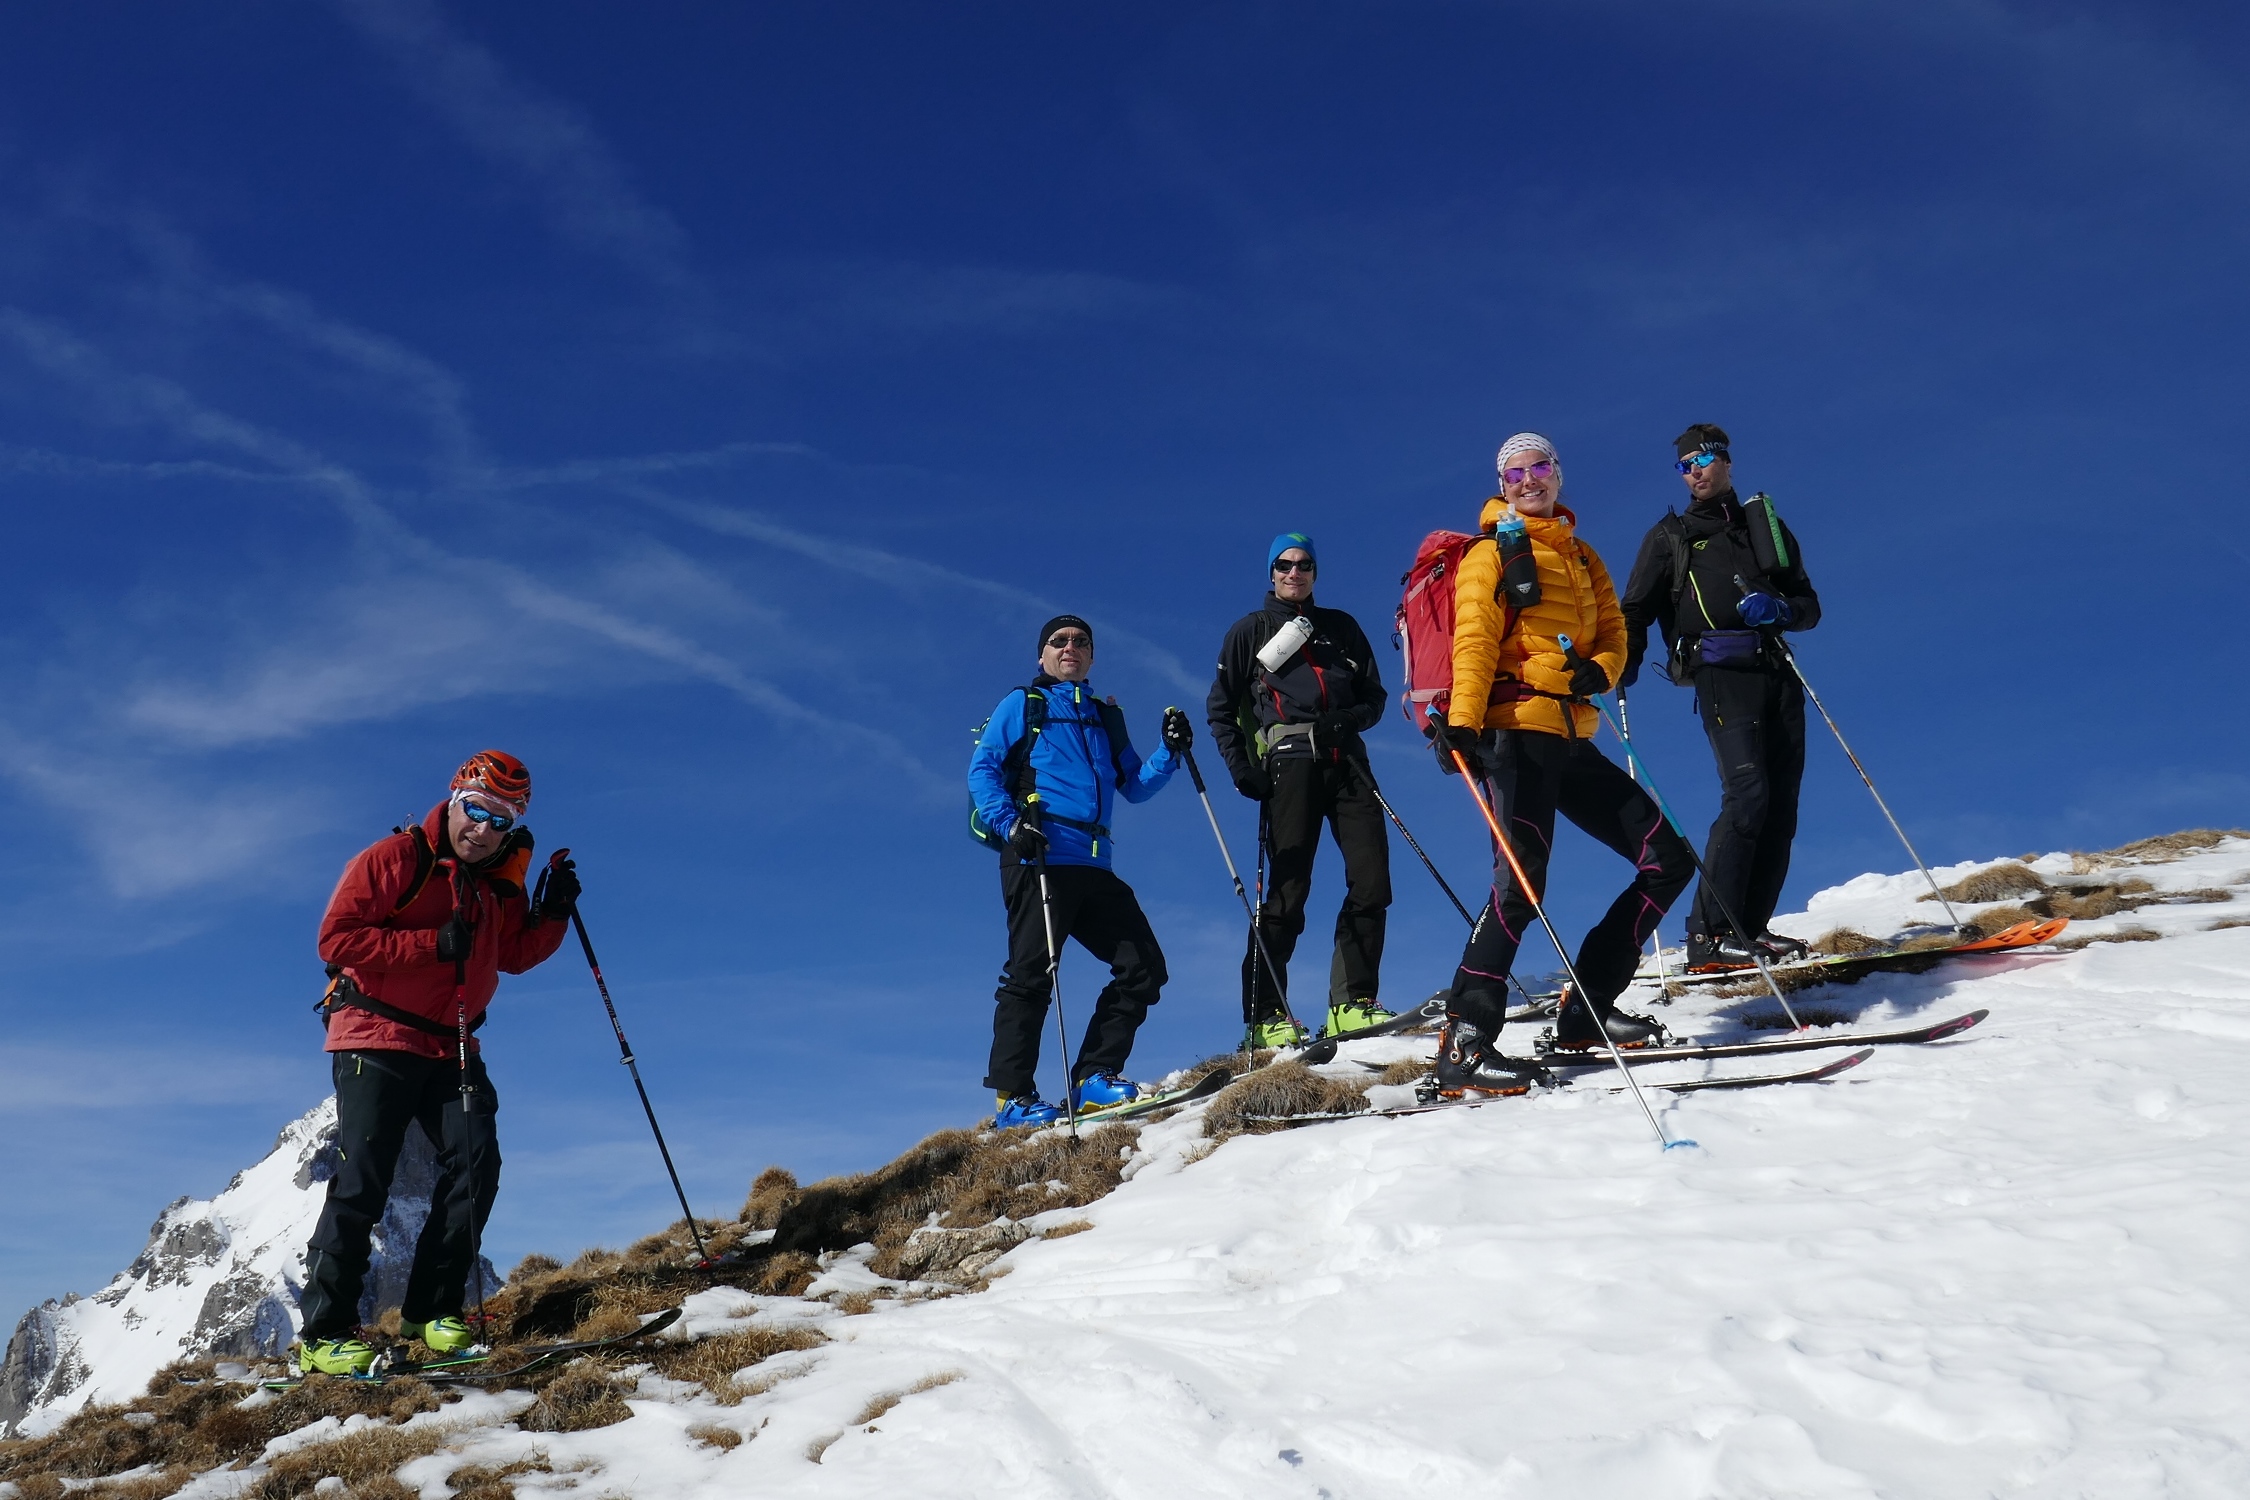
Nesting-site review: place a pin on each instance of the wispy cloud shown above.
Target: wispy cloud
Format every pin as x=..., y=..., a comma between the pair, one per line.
x=545, y=143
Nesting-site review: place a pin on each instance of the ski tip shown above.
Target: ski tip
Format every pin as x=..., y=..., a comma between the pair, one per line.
x=1320, y=1052
x=1852, y=1060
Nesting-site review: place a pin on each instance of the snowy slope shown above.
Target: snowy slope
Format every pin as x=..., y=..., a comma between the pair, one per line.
x=218, y=1277
x=2005, y=1265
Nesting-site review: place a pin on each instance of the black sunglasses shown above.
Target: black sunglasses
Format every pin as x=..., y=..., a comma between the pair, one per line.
x=1062, y=640
x=1293, y=565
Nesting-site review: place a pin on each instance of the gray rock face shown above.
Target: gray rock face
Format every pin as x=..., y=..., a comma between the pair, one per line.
x=218, y=1277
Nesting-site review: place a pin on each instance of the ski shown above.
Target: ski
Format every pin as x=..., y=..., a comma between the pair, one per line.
x=1203, y=1088
x=1429, y=1014
x=1674, y=1086
x=2022, y=935
x=1793, y=1042
x=470, y=1369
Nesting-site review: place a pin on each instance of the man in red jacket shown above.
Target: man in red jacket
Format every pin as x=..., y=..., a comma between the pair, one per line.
x=416, y=937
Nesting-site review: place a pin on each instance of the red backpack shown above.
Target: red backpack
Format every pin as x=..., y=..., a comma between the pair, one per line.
x=1423, y=629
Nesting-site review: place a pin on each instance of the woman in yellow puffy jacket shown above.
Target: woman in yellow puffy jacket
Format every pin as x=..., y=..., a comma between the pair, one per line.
x=1518, y=715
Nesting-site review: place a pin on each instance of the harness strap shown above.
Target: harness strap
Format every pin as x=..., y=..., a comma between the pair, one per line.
x=342, y=992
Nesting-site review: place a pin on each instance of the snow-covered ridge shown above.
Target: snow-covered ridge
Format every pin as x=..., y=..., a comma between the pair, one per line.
x=218, y=1277
x=2004, y=1265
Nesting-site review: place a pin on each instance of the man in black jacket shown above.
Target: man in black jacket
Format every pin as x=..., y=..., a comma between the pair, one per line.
x=1288, y=722
x=1722, y=582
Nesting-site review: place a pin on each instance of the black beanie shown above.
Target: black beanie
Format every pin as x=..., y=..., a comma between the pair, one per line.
x=1057, y=623
x=1699, y=436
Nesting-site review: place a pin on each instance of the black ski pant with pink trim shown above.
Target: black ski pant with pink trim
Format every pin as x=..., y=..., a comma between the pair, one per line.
x=1528, y=778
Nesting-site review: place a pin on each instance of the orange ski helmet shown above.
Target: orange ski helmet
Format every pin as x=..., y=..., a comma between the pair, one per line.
x=495, y=773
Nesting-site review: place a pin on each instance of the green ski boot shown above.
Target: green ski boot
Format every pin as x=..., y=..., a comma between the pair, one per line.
x=1275, y=1031
x=1348, y=1016
x=440, y=1335
x=346, y=1356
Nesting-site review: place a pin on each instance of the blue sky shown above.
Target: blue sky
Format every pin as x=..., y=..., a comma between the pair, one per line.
x=708, y=403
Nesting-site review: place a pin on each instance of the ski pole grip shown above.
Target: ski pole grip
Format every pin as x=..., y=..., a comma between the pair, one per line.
x=557, y=857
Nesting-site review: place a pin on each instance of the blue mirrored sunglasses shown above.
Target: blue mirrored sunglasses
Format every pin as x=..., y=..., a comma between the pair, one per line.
x=1703, y=460
x=501, y=822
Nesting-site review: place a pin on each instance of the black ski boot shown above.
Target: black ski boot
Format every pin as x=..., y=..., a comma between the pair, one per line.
x=1711, y=955
x=1577, y=1031
x=1781, y=949
x=1468, y=1065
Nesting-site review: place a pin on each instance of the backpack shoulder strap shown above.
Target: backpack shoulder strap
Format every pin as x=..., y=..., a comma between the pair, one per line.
x=1113, y=729
x=1016, y=769
x=425, y=860
x=1675, y=532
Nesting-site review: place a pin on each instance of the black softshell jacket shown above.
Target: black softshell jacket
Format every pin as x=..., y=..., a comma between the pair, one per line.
x=1335, y=672
x=1718, y=543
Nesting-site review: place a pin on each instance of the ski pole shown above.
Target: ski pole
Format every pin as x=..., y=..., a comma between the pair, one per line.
x=1273, y=969
x=1790, y=657
x=1656, y=934
x=1523, y=881
x=1726, y=907
x=1054, y=986
x=1367, y=773
x=625, y=1056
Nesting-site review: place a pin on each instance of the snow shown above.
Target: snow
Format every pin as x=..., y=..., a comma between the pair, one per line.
x=2004, y=1265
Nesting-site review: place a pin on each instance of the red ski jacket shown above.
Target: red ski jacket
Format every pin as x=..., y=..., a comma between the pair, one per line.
x=389, y=950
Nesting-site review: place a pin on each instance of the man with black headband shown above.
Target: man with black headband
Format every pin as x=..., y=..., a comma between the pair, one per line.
x=1043, y=779
x=1722, y=582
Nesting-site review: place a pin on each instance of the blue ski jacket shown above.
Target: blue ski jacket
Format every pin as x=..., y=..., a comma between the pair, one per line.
x=1076, y=776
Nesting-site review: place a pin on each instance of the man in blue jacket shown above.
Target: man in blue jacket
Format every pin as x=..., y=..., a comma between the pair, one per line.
x=1044, y=777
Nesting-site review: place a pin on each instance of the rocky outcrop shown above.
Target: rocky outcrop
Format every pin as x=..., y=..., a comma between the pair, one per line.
x=218, y=1277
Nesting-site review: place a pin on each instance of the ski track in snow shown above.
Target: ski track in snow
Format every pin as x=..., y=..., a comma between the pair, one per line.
x=2003, y=1265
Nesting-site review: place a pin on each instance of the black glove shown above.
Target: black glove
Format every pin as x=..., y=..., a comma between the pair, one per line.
x=557, y=896
x=1632, y=674
x=1254, y=783
x=1027, y=839
x=1586, y=678
x=1456, y=737
x=1330, y=730
x=454, y=940
x=1178, y=732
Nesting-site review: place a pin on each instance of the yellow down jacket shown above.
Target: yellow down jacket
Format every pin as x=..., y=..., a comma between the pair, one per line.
x=1502, y=663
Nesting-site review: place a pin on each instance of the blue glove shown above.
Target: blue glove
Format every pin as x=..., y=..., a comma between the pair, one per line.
x=1760, y=609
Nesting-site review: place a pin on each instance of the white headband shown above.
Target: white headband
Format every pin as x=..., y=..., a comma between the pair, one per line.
x=1526, y=442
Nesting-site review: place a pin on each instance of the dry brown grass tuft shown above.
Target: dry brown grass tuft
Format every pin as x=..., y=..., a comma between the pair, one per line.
x=2121, y=935
x=495, y=1481
x=1288, y=1088
x=2155, y=851
x=2085, y=902
x=1844, y=940
x=1405, y=1070
x=712, y=1436
x=192, y=1421
x=2225, y=922
x=878, y=1404
x=2000, y=919
x=771, y=1194
x=820, y=1445
x=1065, y=1231
x=713, y=1363
x=583, y=1396
x=932, y=1382
x=2001, y=882
x=534, y=1265
x=366, y=1460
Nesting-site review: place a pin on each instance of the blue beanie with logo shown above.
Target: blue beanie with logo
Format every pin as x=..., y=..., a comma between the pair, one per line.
x=1284, y=542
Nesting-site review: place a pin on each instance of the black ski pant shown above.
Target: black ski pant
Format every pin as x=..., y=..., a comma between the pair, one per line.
x=1307, y=793
x=1101, y=912
x=1755, y=720
x=378, y=1094
x=1530, y=777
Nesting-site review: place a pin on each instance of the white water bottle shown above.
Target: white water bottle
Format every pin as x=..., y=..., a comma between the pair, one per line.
x=1286, y=642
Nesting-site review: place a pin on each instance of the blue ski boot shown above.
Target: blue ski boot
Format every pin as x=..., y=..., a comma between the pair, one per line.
x=1104, y=1090
x=1024, y=1109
